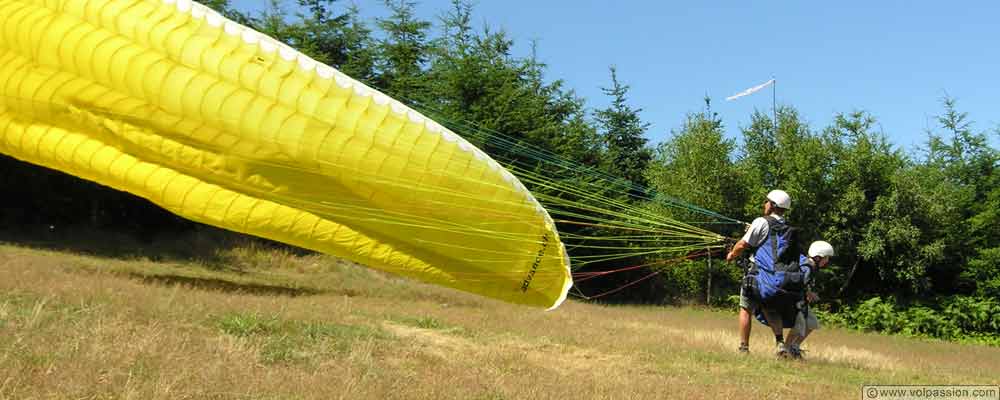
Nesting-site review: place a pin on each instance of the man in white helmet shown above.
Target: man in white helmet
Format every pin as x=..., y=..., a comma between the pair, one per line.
x=805, y=320
x=775, y=206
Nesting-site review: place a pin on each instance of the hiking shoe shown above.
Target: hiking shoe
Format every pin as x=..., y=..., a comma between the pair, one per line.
x=795, y=353
x=782, y=351
x=744, y=349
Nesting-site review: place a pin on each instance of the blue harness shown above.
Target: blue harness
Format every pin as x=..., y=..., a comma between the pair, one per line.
x=776, y=274
x=787, y=306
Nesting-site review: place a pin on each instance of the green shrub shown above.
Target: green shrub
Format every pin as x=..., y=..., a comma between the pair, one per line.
x=973, y=314
x=874, y=314
x=962, y=318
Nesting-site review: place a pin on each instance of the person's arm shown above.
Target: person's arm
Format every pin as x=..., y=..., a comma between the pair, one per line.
x=738, y=249
x=811, y=296
x=755, y=233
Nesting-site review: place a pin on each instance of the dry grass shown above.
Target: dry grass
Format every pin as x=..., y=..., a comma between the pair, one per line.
x=273, y=324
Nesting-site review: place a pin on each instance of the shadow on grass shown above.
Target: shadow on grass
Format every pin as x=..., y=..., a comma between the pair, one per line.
x=210, y=248
x=214, y=284
x=205, y=248
x=203, y=244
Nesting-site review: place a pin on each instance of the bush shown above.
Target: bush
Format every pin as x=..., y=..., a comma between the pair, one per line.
x=972, y=314
x=963, y=318
x=873, y=314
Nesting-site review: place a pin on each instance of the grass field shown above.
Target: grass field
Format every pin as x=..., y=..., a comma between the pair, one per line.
x=266, y=323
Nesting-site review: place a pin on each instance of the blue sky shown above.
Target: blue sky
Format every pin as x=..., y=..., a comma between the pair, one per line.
x=895, y=59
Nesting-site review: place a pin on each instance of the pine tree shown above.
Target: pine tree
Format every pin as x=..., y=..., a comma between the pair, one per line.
x=403, y=52
x=626, y=153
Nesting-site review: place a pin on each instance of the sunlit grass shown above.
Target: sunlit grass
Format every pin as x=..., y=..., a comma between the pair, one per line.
x=270, y=322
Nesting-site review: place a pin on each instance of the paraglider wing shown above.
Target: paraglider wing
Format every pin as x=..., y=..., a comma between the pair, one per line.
x=222, y=125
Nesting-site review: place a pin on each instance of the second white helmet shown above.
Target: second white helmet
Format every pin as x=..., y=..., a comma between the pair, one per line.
x=780, y=198
x=820, y=248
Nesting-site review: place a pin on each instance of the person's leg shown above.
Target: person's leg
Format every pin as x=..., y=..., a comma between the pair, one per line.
x=745, y=325
x=803, y=327
x=796, y=339
x=775, y=322
x=795, y=334
x=793, y=337
x=805, y=324
x=746, y=316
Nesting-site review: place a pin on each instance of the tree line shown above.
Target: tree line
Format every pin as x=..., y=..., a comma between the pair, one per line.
x=915, y=232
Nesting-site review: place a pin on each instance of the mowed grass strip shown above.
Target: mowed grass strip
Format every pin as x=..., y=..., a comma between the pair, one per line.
x=314, y=327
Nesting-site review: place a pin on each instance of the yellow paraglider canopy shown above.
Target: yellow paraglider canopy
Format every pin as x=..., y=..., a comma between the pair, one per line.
x=222, y=125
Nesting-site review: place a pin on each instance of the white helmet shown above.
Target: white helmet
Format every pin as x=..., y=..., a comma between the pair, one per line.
x=820, y=248
x=780, y=199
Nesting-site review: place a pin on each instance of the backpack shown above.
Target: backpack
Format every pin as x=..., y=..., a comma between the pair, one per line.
x=776, y=275
x=788, y=304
